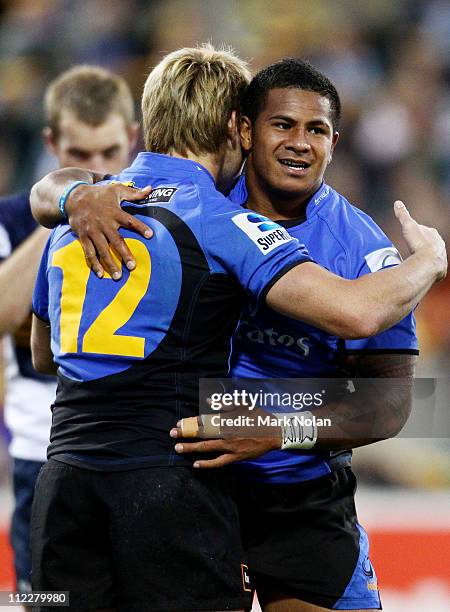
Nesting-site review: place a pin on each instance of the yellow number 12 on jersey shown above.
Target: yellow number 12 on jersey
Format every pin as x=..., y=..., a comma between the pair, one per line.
x=101, y=336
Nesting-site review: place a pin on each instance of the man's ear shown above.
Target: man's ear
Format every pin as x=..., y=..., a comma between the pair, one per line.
x=49, y=138
x=334, y=143
x=133, y=134
x=232, y=128
x=245, y=133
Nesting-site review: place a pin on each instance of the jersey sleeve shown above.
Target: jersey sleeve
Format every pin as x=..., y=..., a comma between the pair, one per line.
x=377, y=253
x=253, y=248
x=41, y=288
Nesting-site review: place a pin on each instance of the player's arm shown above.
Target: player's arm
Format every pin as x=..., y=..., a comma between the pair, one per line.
x=45, y=194
x=17, y=276
x=366, y=418
x=372, y=303
x=369, y=414
x=41, y=353
x=93, y=212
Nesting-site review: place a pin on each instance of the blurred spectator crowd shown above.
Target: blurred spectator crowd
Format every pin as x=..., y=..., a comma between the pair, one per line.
x=389, y=60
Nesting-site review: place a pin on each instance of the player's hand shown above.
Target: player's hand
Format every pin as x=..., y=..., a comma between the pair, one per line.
x=235, y=442
x=95, y=215
x=229, y=451
x=420, y=237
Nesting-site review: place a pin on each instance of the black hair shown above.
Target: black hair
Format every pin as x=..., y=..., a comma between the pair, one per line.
x=289, y=72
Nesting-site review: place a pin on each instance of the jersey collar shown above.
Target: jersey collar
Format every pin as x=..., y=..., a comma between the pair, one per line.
x=239, y=196
x=147, y=163
x=318, y=200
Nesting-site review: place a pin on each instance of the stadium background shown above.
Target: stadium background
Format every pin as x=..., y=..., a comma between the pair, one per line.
x=390, y=61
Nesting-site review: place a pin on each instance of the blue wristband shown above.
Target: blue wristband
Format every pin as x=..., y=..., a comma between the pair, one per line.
x=65, y=194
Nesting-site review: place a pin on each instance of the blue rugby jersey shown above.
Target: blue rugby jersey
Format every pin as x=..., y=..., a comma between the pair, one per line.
x=130, y=352
x=346, y=241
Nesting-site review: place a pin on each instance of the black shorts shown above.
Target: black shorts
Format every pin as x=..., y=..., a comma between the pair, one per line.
x=304, y=540
x=154, y=539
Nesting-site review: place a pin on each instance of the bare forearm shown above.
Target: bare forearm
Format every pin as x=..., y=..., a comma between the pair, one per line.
x=378, y=409
x=359, y=422
x=45, y=365
x=17, y=277
x=45, y=194
x=40, y=347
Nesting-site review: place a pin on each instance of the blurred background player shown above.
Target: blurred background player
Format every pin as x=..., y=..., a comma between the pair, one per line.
x=90, y=123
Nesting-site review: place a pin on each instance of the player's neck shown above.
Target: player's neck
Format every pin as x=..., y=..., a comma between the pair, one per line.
x=207, y=160
x=276, y=206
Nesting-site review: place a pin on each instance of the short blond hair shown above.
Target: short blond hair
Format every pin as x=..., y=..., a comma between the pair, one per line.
x=91, y=93
x=188, y=99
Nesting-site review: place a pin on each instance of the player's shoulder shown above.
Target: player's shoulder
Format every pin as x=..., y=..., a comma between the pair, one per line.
x=216, y=213
x=184, y=193
x=366, y=245
x=352, y=226
x=188, y=194
x=213, y=202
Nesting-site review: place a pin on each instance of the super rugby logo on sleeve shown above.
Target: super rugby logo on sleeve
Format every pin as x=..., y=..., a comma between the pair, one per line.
x=266, y=234
x=383, y=258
